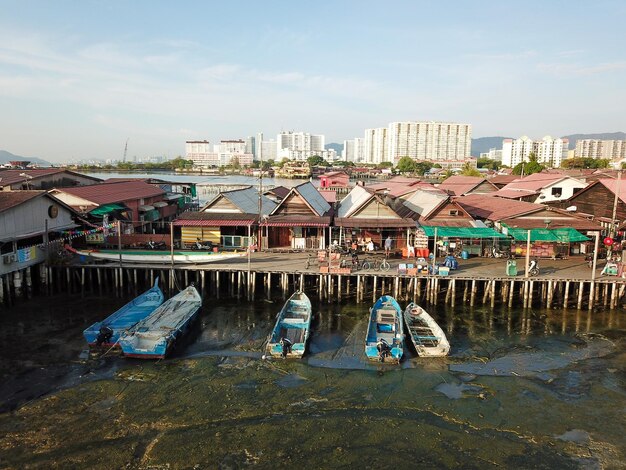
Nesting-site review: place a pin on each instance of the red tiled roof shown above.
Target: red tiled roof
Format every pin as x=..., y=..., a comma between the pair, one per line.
x=494, y=208
x=514, y=193
x=213, y=223
x=10, y=199
x=535, y=182
x=330, y=196
x=296, y=221
x=458, y=185
x=373, y=222
x=107, y=193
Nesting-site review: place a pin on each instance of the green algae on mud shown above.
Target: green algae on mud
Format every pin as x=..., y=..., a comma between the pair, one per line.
x=234, y=412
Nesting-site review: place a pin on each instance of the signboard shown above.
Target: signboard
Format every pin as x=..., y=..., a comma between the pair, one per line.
x=94, y=237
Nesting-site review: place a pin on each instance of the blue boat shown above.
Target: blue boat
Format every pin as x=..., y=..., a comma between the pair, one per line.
x=107, y=332
x=385, y=333
x=293, y=322
x=154, y=336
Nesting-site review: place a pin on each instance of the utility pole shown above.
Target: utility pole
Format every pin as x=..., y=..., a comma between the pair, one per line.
x=615, y=201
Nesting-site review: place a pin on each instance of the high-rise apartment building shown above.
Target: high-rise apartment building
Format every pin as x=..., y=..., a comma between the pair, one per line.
x=199, y=152
x=429, y=141
x=608, y=149
x=549, y=151
x=299, y=145
x=375, y=145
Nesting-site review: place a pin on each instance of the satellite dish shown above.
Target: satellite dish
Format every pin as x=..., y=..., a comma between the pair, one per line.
x=571, y=209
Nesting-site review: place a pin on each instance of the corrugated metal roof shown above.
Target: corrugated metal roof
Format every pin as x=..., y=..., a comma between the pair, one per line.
x=514, y=193
x=10, y=199
x=296, y=221
x=313, y=198
x=192, y=215
x=247, y=200
x=494, y=208
x=373, y=223
x=106, y=193
x=423, y=202
x=355, y=199
x=458, y=185
x=213, y=223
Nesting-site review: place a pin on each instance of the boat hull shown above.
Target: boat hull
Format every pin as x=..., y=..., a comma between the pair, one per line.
x=293, y=323
x=125, y=317
x=425, y=334
x=160, y=257
x=157, y=335
x=385, y=324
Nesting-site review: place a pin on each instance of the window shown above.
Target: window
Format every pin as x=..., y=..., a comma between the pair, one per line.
x=556, y=192
x=454, y=212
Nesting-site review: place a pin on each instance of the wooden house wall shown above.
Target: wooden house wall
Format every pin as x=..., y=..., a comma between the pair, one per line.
x=598, y=200
x=375, y=209
x=222, y=205
x=294, y=205
x=483, y=188
x=30, y=217
x=443, y=214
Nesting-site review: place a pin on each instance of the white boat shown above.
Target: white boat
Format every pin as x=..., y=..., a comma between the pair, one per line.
x=426, y=335
x=154, y=336
x=161, y=257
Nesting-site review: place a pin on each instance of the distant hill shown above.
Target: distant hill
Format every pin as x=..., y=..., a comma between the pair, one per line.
x=483, y=144
x=602, y=136
x=6, y=157
x=337, y=147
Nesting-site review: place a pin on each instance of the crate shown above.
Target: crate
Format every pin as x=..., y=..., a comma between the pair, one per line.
x=340, y=270
x=324, y=269
x=411, y=271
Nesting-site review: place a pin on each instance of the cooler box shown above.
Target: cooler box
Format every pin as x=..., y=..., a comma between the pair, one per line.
x=444, y=270
x=464, y=254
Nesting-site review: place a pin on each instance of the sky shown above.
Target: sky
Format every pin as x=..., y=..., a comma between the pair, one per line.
x=80, y=79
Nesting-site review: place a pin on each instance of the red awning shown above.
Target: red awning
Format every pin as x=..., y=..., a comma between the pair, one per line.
x=212, y=223
x=294, y=224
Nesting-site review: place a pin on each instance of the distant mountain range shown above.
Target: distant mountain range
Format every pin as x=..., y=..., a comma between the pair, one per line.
x=479, y=145
x=336, y=147
x=6, y=157
x=483, y=144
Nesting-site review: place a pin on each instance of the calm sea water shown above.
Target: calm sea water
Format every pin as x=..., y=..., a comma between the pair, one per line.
x=521, y=389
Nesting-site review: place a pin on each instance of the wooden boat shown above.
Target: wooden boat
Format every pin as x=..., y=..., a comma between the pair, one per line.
x=293, y=322
x=154, y=336
x=161, y=257
x=426, y=335
x=385, y=333
x=107, y=332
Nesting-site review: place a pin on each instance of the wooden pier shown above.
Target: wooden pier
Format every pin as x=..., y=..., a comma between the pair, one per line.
x=267, y=275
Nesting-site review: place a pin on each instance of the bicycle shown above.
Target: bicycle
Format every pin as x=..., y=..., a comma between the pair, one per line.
x=374, y=263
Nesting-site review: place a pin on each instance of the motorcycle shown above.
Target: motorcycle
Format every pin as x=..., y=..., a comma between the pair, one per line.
x=496, y=253
x=533, y=267
x=152, y=245
x=199, y=245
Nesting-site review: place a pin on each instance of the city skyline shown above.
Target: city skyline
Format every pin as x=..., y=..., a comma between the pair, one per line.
x=80, y=79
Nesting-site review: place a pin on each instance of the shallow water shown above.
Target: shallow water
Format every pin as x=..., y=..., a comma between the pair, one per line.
x=534, y=389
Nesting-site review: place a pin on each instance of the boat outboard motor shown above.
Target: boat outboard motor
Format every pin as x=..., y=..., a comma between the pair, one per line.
x=104, y=336
x=286, y=344
x=384, y=350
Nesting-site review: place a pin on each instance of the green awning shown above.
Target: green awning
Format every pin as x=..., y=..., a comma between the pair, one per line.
x=559, y=235
x=569, y=235
x=107, y=209
x=462, y=232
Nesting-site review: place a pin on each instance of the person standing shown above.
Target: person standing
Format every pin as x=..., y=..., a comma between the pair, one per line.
x=388, y=246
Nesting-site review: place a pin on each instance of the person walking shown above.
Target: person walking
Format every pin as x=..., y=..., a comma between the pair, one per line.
x=388, y=242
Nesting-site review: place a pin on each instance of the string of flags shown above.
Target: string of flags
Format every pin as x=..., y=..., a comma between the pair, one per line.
x=71, y=234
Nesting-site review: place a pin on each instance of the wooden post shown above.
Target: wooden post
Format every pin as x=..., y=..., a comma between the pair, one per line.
x=493, y=293
x=511, y=292
x=465, y=290
x=374, y=288
x=473, y=295
x=453, y=295
x=613, y=296
x=581, y=287
x=530, y=294
x=486, y=291
x=525, y=289
x=592, y=291
x=566, y=295
x=550, y=294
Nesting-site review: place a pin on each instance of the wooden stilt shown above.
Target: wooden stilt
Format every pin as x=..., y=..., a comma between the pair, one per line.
x=613, y=296
x=530, y=293
x=473, y=295
x=592, y=292
x=566, y=294
x=511, y=292
x=493, y=293
x=581, y=288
